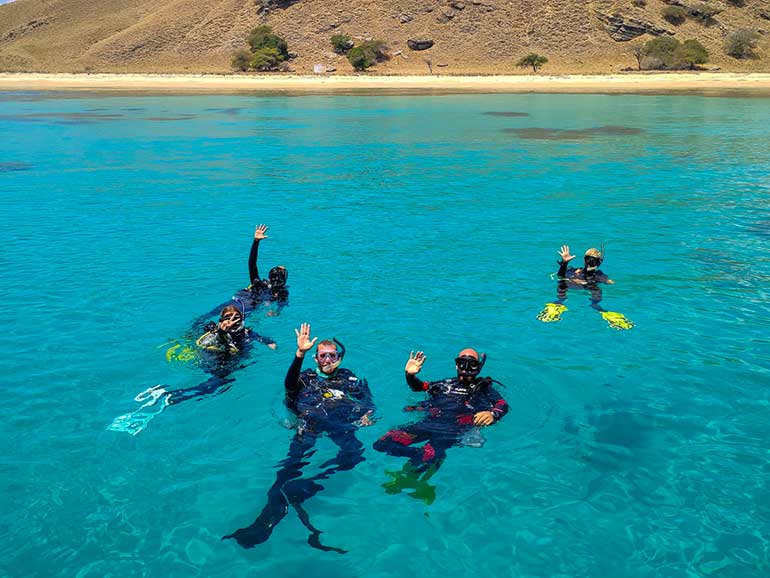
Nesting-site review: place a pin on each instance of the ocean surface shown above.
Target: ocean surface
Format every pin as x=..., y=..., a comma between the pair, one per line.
x=406, y=223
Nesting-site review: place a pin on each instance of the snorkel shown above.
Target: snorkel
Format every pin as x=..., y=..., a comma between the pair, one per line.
x=328, y=362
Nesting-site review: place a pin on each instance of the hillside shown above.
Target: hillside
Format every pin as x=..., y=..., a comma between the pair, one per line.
x=470, y=36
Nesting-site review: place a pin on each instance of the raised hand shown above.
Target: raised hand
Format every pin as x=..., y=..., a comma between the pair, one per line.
x=229, y=322
x=414, y=365
x=565, y=254
x=304, y=343
x=259, y=233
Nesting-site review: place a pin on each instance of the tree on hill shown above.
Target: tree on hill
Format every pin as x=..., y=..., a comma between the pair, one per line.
x=691, y=53
x=741, y=43
x=266, y=58
x=534, y=60
x=267, y=52
x=341, y=43
x=667, y=53
x=263, y=37
x=367, y=54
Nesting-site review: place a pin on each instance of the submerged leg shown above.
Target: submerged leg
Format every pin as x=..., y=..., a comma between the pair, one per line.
x=315, y=534
x=212, y=386
x=277, y=503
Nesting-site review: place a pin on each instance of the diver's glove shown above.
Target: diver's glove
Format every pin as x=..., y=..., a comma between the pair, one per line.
x=617, y=320
x=551, y=312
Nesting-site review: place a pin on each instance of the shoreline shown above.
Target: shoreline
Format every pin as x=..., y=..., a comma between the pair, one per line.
x=266, y=83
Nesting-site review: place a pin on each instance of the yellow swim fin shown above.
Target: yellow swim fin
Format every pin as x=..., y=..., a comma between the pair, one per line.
x=551, y=312
x=179, y=352
x=617, y=320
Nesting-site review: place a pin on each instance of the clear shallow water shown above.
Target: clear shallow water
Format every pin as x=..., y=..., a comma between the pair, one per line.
x=405, y=223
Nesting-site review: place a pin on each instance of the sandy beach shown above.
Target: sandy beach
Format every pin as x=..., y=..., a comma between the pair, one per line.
x=212, y=83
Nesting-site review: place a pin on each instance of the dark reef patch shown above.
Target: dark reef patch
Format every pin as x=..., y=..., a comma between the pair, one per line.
x=9, y=166
x=505, y=113
x=562, y=134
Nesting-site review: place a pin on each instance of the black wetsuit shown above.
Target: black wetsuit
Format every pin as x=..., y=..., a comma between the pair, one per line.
x=449, y=412
x=225, y=353
x=259, y=292
x=324, y=405
x=571, y=278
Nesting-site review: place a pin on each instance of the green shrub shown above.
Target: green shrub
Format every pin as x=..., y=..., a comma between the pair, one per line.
x=241, y=60
x=674, y=14
x=377, y=48
x=533, y=60
x=263, y=37
x=666, y=53
x=267, y=58
x=360, y=58
x=367, y=54
x=661, y=50
x=741, y=43
x=691, y=53
x=341, y=43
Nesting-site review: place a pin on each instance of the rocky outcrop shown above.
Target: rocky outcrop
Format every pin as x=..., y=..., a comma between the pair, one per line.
x=25, y=29
x=419, y=43
x=268, y=5
x=446, y=15
x=622, y=29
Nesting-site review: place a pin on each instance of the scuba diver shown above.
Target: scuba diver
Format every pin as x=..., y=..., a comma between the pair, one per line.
x=271, y=292
x=587, y=277
x=456, y=407
x=327, y=400
x=221, y=350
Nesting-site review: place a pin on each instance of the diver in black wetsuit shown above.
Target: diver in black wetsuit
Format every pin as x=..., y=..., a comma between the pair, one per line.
x=271, y=292
x=454, y=407
x=223, y=348
x=588, y=277
x=328, y=400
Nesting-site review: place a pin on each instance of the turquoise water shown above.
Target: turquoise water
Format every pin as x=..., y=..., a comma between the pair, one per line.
x=405, y=223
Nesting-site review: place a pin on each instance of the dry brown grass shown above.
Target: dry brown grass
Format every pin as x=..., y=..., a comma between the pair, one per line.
x=485, y=37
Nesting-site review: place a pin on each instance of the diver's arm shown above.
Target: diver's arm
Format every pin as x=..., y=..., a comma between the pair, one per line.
x=259, y=234
x=291, y=383
x=602, y=277
x=253, y=254
x=364, y=396
x=499, y=405
x=415, y=383
x=262, y=339
x=566, y=257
